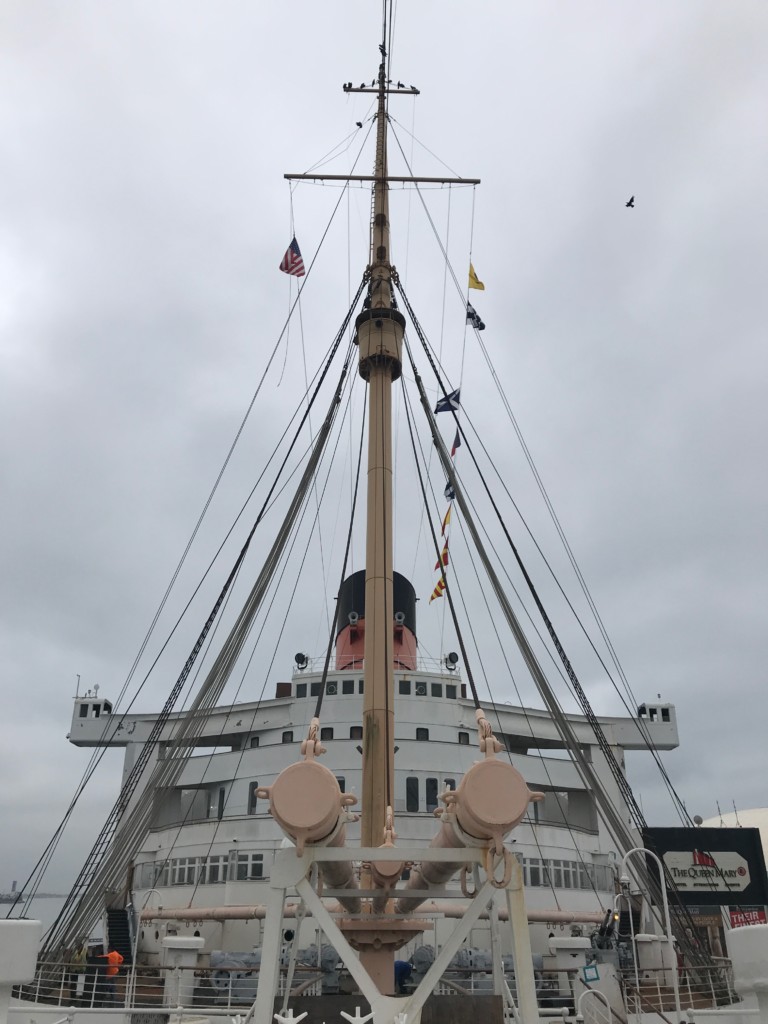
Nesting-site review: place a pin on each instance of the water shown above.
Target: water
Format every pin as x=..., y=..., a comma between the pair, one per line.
x=42, y=908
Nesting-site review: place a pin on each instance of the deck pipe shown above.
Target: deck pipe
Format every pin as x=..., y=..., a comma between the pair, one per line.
x=443, y=908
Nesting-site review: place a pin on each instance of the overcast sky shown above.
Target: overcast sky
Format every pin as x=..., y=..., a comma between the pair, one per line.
x=143, y=213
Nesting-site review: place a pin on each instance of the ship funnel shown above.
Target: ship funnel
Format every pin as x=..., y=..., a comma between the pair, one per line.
x=350, y=637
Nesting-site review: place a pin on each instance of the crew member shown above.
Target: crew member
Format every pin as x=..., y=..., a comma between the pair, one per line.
x=114, y=959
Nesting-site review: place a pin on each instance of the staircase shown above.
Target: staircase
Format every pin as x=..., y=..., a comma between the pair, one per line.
x=118, y=933
x=625, y=929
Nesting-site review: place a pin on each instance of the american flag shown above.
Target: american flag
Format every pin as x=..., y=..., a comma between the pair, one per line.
x=292, y=263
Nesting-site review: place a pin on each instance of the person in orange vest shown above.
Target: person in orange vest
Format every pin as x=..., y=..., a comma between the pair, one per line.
x=114, y=959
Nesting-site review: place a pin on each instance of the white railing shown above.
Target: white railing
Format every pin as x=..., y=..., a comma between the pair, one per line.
x=72, y=985
x=699, y=987
x=424, y=665
x=232, y=988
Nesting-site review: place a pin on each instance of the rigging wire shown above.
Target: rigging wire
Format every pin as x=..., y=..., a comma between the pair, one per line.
x=680, y=807
x=276, y=586
x=619, y=777
x=38, y=871
x=447, y=590
x=95, y=759
x=553, y=788
x=306, y=387
x=414, y=140
x=611, y=815
x=135, y=822
x=324, y=680
x=131, y=782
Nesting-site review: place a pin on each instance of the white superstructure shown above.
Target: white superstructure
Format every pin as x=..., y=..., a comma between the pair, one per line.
x=213, y=840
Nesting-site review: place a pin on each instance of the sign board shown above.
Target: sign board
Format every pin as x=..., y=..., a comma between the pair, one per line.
x=696, y=870
x=741, y=916
x=711, y=866
x=703, y=917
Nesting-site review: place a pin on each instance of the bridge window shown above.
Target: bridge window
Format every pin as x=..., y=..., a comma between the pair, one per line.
x=356, y=732
x=431, y=793
x=422, y=734
x=342, y=783
x=288, y=736
x=348, y=686
x=437, y=689
x=326, y=733
x=450, y=691
x=253, y=790
x=464, y=739
x=405, y=687
x=412, y=794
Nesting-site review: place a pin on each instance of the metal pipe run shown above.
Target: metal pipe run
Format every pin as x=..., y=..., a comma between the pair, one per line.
x=444, y=908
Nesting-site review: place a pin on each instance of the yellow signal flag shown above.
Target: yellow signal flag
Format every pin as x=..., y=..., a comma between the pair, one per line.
x=438, y=591
x=446, y=521
x=443, y=559
x=474, y=280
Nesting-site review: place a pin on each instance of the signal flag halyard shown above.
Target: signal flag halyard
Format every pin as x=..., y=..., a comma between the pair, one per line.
x=292, y=263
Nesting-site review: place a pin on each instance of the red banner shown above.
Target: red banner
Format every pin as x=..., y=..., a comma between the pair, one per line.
x=741, y=916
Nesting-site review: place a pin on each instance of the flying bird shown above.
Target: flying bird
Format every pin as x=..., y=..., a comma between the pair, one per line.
x=630, y=202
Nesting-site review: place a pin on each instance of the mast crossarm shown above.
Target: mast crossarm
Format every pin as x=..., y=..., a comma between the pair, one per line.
x=389, y=177
x=368, y=88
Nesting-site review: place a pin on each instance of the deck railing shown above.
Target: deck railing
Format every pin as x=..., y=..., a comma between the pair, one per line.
x=68, y=985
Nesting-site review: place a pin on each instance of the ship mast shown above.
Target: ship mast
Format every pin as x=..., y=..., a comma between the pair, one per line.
x=380, y=334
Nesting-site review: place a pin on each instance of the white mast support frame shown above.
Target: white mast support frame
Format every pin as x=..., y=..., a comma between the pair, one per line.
x=291, y=872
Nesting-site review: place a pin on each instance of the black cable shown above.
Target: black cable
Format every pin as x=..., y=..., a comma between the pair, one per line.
x=446, y=588
x=329, y=649
x=104, y=838
x=236, y=771
x=477, y=650
x=115, y=722
x=621, y=781
x=680, y=806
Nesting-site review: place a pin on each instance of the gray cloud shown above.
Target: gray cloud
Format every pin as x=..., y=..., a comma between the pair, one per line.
x=144, y=213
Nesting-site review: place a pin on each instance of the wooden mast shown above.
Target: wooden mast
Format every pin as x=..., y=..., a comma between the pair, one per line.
x=380, y=333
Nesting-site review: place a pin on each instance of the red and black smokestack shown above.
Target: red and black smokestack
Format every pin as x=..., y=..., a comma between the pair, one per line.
x=350, y=625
